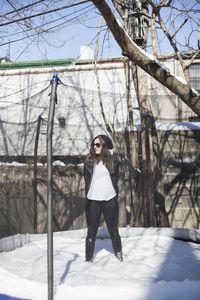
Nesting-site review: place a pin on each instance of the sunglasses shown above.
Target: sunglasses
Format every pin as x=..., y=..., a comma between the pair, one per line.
x=98, y=145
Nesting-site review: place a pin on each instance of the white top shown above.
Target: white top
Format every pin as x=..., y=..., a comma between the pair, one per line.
x=101, y=187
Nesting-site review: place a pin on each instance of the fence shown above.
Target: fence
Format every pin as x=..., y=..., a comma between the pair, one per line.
x=177, y=189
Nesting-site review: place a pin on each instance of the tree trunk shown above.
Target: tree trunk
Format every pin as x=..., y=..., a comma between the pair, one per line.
x=147, y=182
x=148, y=63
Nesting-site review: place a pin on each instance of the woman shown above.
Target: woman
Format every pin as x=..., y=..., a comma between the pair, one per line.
x=101, y=177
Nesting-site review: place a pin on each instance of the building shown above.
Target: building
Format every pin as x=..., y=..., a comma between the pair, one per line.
x=87, y=90
x=90, y=95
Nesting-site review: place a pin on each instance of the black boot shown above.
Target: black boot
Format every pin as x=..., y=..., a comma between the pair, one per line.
x=119, y=256
x=117, y=246
x=89, y=249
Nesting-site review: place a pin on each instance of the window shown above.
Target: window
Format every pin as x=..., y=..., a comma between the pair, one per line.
x=194, y=73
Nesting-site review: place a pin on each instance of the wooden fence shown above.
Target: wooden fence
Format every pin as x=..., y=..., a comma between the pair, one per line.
x=17, y=201
x=177, y=190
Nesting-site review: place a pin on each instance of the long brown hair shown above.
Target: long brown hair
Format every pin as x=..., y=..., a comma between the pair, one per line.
x=104, y=156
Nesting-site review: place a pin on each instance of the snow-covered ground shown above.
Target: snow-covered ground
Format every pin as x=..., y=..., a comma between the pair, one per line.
x=178, y=125
x=157, y=266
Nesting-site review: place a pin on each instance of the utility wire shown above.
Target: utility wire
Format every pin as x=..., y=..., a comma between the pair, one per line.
x=43, y=13
x=50, y=22
x=24, y=7
x=44, y=30
x=28, y=25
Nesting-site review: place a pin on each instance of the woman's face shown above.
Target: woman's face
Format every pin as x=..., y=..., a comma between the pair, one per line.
x=97, y=146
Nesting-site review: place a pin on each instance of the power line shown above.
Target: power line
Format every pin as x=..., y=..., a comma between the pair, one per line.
x=38, y=33
x=28, y=25
x=44, y=30
x=43, y=13
x=24, y=7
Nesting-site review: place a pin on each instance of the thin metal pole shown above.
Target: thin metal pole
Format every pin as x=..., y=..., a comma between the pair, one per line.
x=35, y=173
x=50, y=187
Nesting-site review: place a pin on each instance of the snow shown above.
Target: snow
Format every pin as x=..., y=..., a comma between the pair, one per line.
x=182, y=80
x=177, y=125
x=159, y=264
x=154, y=59
x=195, y=92
x=18, y=164
x=12, y=164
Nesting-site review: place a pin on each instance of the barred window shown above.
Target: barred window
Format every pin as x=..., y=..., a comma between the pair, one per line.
x=194, y=73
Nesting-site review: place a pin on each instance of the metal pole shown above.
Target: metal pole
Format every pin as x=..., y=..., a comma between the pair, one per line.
x=35, y=172
x=50, y=188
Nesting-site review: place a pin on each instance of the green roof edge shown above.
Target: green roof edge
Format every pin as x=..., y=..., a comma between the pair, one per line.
x=36, y=64
x=54, y=63
x=48, y=63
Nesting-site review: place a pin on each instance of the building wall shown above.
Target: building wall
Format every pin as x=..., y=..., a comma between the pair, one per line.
x=25, y=95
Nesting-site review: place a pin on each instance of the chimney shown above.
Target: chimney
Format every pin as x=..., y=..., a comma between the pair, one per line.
x=86, y=53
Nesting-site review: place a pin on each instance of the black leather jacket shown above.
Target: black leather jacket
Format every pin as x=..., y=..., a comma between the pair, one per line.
x=88, y=171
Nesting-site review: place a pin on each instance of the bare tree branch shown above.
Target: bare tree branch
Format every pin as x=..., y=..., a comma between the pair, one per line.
x=98, y=81
x=147, y=63
x=42, y=13
x=24, y=7
x=153, y=33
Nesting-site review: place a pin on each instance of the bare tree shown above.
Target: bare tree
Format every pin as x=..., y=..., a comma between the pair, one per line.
x=168, y=21
x=149, y=64
x=164, y=20
x=36, y=24
x=135, y=16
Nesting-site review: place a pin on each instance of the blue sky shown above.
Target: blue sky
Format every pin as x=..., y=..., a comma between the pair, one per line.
x=78, y=26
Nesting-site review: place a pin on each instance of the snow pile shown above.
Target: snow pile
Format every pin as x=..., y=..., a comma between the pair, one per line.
x=13, y=242
x=191, y=235
x=157, y=266
x=178, y=125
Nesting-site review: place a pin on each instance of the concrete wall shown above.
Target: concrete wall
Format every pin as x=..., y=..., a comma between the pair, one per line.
x=25, y=95
x=78, y=103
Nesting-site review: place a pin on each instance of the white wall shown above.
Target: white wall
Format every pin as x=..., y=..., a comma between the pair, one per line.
x=78, y=102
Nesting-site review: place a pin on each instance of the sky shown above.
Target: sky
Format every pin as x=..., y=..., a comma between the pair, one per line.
x=156, y=266
x=71, y=28
x=80, y=25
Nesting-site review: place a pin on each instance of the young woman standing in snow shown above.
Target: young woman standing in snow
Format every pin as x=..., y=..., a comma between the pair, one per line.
x=101, y=177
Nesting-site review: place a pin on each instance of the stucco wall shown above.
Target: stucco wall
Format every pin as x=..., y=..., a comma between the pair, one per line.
x=25, y=95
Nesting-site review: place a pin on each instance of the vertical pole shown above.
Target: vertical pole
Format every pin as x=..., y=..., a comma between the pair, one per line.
x=151, y=216
x=35, y=173
x=131, y=150
x=50, y=187
x=149, y=175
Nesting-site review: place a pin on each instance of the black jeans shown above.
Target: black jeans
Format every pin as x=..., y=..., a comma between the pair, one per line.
x=110, y=211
